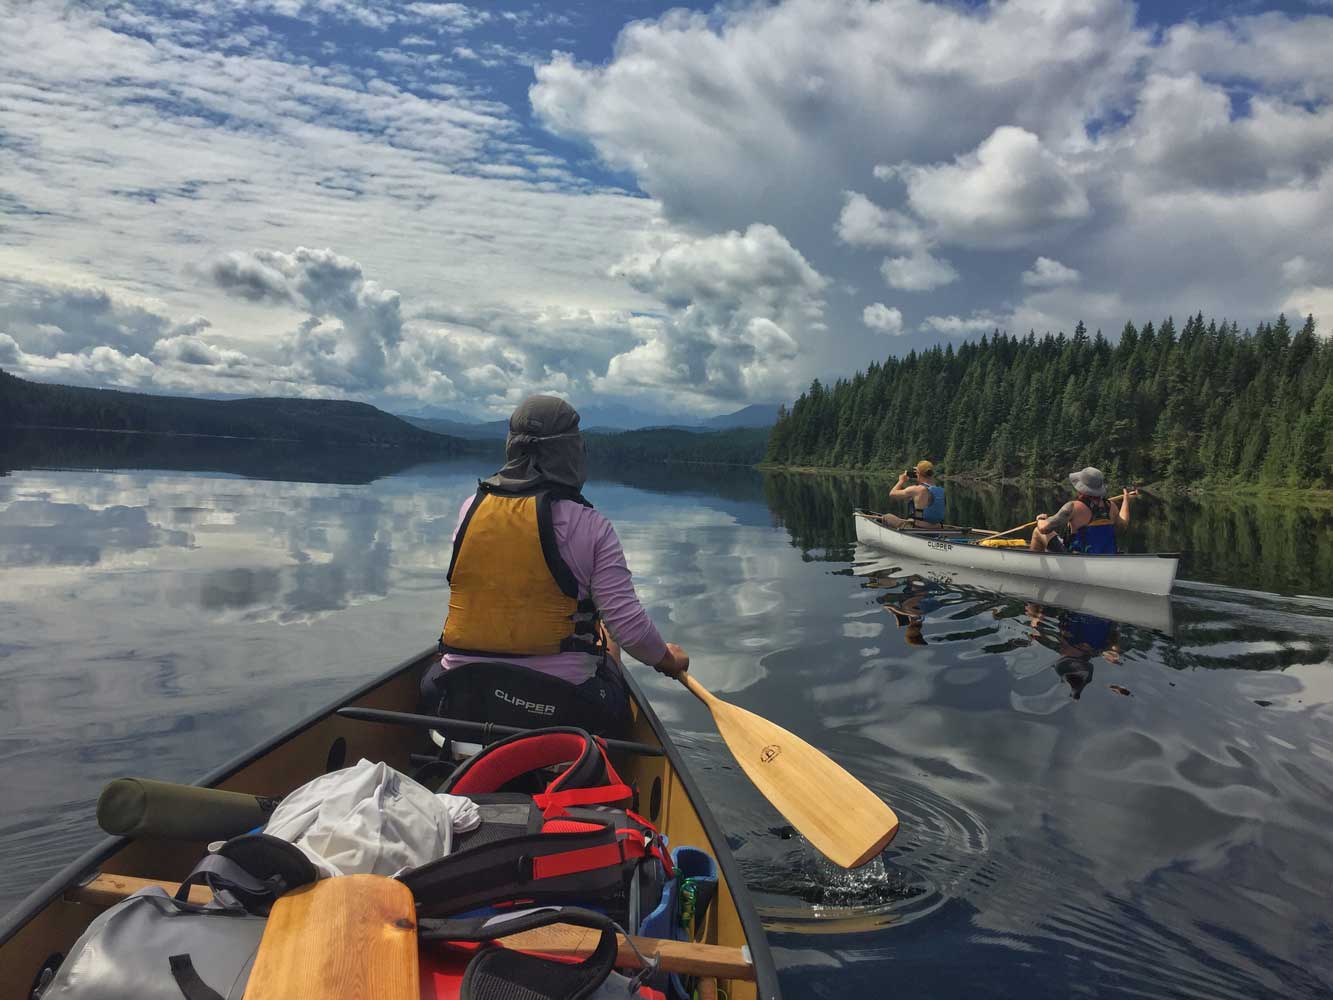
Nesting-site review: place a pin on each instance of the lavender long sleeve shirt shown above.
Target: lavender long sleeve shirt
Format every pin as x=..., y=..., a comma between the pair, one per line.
x=591, y=549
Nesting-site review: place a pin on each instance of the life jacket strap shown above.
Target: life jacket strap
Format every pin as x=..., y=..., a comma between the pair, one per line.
x=585, y=859
x=552, y=803
x=555, y=864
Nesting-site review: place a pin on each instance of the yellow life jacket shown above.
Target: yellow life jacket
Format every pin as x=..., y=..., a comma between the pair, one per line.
x=510, y=592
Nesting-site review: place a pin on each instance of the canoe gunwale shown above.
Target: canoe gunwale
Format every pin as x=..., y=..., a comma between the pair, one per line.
x=756, y=939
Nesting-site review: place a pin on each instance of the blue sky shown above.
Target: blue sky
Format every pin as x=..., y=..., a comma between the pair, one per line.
x=677, y=210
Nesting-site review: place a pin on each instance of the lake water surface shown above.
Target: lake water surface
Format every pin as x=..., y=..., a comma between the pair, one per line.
x=1091, y=805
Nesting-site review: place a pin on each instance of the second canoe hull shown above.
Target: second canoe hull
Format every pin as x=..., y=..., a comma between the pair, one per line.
x=1144, y=574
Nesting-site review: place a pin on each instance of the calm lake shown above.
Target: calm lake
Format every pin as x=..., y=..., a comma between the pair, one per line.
x=1135, y=805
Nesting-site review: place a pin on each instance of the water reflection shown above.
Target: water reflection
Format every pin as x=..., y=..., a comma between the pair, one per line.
x=1168, y=842
x=39, y=532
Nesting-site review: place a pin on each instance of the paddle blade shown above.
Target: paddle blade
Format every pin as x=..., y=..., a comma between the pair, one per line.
x=352, y=936
x=845, y=821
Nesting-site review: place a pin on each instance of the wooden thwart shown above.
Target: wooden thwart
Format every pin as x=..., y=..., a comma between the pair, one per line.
x=108, y=890
x=844, y=820
x=684, y=957
x=352, y=936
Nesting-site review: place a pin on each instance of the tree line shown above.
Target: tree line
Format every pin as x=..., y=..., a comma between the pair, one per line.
x=1209, y=404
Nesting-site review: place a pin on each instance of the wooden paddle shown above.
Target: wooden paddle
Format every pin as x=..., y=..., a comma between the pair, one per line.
x=842, y=818
x=1033, y=524
x=352, y=936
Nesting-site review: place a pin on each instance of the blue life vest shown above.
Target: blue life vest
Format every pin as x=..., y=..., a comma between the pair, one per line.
x=934, y=513
x=1086, y=630
x=1098, y=535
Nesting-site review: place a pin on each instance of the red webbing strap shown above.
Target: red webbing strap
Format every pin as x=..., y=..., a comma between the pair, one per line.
x=570, y=826
x=664, y=857
x=636, y=844
x=584, y=796
x=572, y=862
x=648, y=827
x=641, y=843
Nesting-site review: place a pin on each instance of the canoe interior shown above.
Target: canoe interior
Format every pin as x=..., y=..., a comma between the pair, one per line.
x=49, y=922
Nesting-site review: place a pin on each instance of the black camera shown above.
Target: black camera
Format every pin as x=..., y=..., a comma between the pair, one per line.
x=910, y=473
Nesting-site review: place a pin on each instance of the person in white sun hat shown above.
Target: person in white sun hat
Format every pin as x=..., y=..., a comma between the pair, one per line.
x=1087, y=523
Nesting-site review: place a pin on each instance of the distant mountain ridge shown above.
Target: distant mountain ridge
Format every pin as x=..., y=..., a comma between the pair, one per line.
x=756, y=415
x=491, y=430
x=309, y=421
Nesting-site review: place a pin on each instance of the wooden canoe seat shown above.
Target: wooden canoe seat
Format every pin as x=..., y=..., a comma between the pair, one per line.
x=352, y=936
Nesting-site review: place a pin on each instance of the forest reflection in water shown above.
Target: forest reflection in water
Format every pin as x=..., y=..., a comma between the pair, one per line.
x=1059, y=836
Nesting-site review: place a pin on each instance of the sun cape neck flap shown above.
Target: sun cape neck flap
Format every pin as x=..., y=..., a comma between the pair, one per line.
x=543, y=451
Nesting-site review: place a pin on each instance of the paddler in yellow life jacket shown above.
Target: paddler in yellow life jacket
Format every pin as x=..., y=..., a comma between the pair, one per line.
x=1086, y=524
x=536, y=570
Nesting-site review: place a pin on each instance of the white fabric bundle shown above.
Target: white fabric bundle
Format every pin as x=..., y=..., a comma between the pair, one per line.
x=370, y=820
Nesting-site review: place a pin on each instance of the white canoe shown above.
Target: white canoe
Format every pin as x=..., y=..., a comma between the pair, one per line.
x=1150, y=611
x=1154, y=573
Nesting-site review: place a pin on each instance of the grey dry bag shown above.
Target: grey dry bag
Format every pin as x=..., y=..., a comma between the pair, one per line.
x=153, y=947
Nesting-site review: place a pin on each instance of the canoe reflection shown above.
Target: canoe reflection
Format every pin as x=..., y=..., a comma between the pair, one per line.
x=1080, y=625
x=1147, y=611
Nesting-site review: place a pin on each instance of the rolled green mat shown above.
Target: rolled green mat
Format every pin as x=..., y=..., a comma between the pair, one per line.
x=140, y=807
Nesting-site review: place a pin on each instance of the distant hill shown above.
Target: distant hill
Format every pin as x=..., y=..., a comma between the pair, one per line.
x=737, y=446
x=286, y=461
x=308, y=421
x=754, y=415
x=491, y=430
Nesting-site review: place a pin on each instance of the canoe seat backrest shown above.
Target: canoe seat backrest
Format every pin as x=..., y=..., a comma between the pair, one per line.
x=507, y=694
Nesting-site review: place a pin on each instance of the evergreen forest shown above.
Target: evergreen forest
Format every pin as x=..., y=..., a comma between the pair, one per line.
x=1208, y=404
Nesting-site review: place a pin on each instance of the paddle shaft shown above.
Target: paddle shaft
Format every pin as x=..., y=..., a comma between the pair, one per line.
x=1033, y=524
x=842, y=818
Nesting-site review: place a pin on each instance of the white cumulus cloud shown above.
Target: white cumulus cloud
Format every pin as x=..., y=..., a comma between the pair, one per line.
x=983, y=322
x=1001, y=194
x=737, y=307
x=1048, y=273
x=862, y=223
x=885, y=319
x=918, y=272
